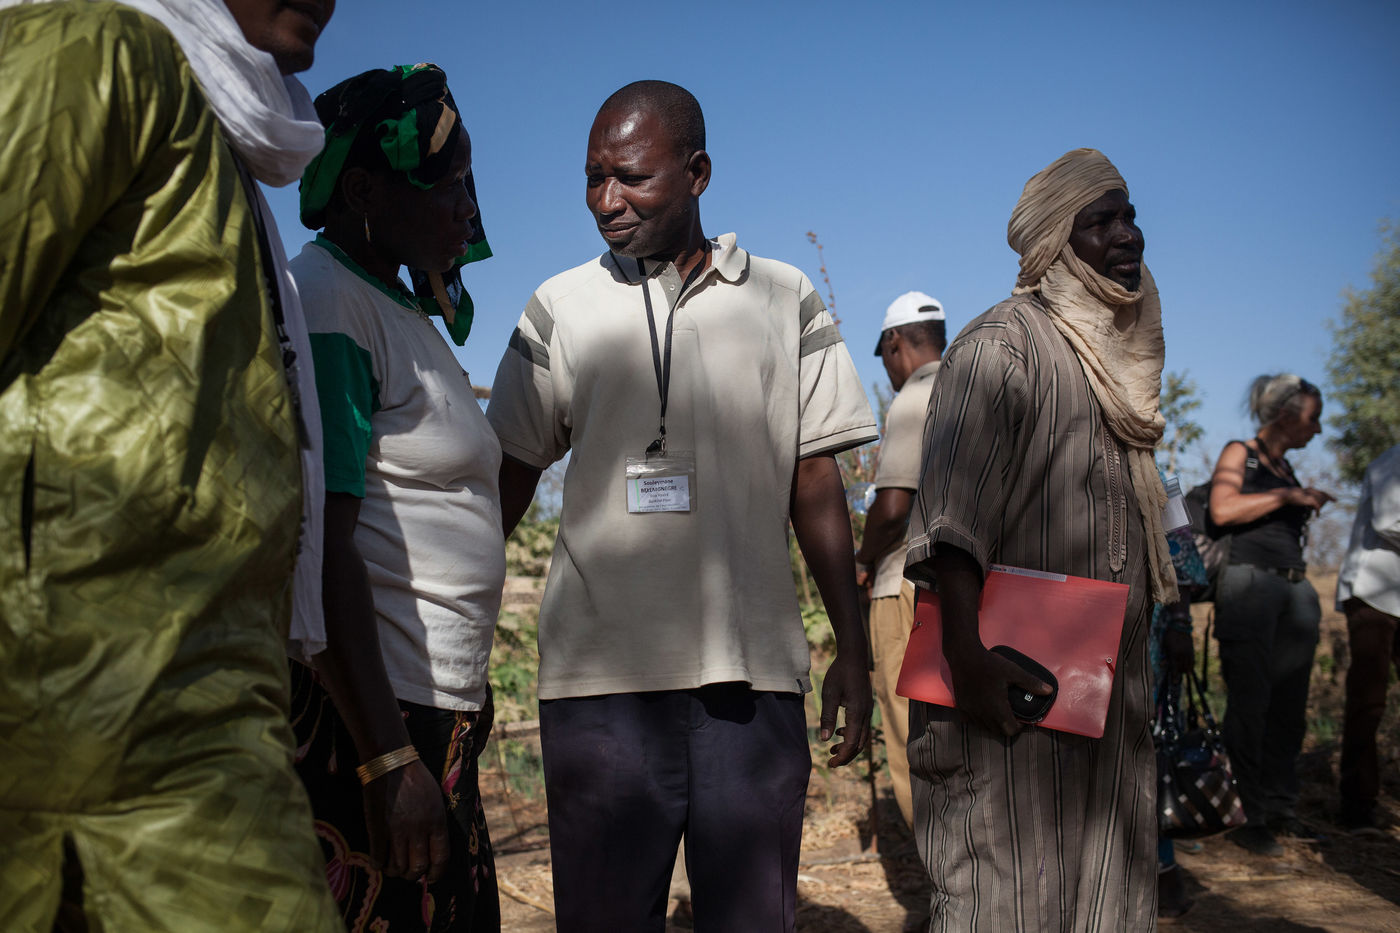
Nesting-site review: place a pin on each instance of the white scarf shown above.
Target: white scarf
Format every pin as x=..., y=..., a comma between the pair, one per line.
x=266, y=117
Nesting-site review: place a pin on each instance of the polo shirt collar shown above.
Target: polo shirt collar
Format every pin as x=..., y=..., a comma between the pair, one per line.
x=729, y=260
x=726, y=259
x=928, y=369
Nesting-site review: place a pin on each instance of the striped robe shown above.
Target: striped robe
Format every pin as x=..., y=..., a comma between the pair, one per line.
x=1046, y=831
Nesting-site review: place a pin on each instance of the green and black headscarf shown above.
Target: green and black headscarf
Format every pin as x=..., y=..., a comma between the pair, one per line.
x=409, y=114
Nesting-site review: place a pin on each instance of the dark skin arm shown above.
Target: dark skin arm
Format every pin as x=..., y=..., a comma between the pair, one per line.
x=403, y=809
x=980, y=678
x=518, y=482
x=823, y=529
x=885, y=525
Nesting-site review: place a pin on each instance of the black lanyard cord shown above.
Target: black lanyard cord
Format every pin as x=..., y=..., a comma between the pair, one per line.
x=1283, y=471
x=660, y=362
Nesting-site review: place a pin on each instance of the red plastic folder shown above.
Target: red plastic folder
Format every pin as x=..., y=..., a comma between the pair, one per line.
x=1072, y=625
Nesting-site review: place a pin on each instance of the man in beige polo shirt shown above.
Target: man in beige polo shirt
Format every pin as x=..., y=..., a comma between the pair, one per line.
x=911, y=344
x=704, y=393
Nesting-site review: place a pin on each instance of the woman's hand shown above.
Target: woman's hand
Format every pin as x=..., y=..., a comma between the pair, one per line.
x=403, y=809
x=1230, y=505
x=407, y=824
x=1308, y=497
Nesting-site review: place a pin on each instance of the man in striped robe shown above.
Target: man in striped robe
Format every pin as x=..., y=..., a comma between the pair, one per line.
x=1041, y=420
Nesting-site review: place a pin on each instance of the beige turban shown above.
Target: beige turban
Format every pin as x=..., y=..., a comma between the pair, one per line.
x=1123, y=368
x=1041, y=222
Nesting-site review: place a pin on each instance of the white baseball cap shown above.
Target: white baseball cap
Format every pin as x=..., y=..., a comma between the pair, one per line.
x=910, y=308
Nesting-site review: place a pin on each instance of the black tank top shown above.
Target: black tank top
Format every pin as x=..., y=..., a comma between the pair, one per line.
x=1276, y=539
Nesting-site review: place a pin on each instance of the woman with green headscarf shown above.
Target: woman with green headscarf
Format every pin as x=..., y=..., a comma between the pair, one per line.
x=390, y=723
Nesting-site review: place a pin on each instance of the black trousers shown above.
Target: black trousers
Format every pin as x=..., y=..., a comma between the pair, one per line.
x=626, y=775
x=1374, y=637
x=1268, y=632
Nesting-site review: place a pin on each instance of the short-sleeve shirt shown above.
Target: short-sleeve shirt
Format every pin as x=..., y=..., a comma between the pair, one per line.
x=901, y=460
x=760, y=377
x=1371, y=570
x=404, y=431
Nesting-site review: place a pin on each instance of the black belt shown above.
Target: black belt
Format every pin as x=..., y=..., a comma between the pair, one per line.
x=1291, y=574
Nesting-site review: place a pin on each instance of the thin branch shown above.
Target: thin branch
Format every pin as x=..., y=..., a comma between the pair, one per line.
x=830, y=294
x=510, y=890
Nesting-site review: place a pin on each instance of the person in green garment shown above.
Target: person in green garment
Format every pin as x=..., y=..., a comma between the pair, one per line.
x=151, y=407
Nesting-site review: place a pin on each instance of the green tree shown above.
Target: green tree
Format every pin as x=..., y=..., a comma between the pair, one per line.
x=1365, y=365
x=1178, y=401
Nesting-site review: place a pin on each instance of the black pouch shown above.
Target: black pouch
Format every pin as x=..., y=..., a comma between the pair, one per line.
x=1029, y=707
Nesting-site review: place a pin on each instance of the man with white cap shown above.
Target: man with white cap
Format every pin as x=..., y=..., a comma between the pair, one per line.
x=1040, y=437
x=911, y=344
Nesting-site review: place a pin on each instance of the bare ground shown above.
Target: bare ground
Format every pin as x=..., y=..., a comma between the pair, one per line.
x=860, y=873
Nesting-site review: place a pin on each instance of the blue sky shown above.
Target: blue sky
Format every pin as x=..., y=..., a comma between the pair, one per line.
x=1259, y=140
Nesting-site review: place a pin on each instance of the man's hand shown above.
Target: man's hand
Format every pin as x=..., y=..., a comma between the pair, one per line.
x=885, y=526
x=980, y=682
x=980, y=678
x=823, y=529
x=407, y=824
x=847, y=684
x=865, y=580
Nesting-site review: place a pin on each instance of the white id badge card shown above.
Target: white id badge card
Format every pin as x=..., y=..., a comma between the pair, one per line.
x=661, y=483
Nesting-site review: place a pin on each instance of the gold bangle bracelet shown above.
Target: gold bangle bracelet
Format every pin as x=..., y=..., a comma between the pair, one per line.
x=389, y=761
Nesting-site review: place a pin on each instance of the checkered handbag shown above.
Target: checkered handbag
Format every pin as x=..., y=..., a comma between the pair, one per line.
x=1196, y=793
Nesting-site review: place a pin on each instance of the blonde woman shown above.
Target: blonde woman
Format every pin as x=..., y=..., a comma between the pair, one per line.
x=1266, y=611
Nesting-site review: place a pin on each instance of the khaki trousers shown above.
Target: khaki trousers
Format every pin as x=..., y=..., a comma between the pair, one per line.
x=891, y=621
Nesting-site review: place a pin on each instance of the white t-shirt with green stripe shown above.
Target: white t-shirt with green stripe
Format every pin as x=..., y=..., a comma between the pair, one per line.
x=404, y=431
